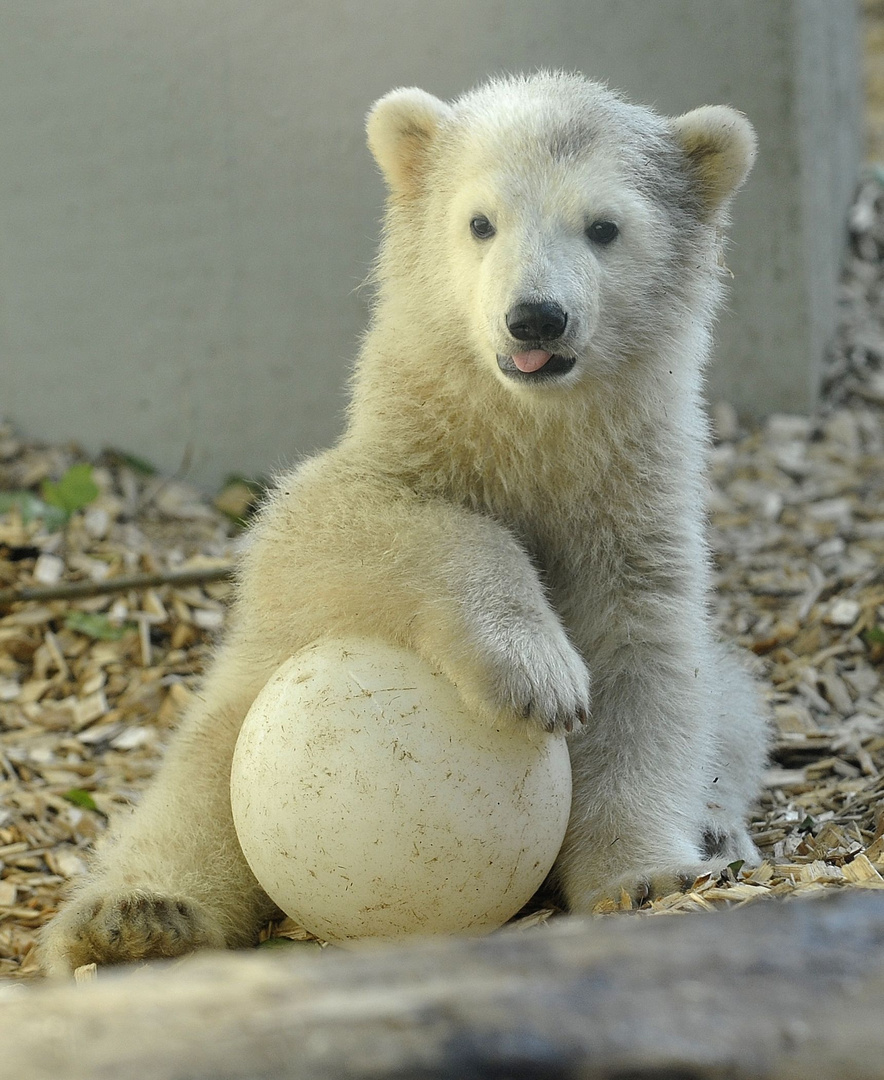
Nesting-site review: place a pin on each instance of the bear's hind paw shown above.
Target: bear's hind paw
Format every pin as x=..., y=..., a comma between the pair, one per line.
x=123, y=927
x=641, y=888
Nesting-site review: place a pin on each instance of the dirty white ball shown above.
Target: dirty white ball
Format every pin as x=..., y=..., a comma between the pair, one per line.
x=370, y=803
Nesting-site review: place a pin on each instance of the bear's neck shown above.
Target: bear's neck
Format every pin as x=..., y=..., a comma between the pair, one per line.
x=438, y=418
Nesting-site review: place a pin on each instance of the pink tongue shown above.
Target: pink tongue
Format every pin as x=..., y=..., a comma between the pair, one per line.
x=531, y=361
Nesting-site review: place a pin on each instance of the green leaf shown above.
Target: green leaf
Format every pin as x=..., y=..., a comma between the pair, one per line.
x=97, y=626
x=276, y=943
x=31, y=508
x=808, y=825
x=79, y=797
x=874, y=636
x=736, y=866
x=136, y=464
x=73, y=491
x=259, y=487
x=290, y=943
x=27, y=504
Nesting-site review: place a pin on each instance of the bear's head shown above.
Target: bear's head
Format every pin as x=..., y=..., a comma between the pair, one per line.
x=560, y=231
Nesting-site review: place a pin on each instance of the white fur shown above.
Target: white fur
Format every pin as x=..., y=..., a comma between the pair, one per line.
x=527, y=537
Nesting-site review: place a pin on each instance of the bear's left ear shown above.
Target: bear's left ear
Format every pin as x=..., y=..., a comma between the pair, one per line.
x=720, y=144
x=401, y=127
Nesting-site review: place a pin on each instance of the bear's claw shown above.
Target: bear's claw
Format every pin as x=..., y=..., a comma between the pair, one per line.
x=546, y=682
x=123, y=927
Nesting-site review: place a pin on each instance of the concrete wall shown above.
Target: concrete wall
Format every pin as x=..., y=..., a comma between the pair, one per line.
x=187, y=207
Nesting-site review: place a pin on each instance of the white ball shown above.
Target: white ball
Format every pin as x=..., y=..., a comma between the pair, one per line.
x=370, y=803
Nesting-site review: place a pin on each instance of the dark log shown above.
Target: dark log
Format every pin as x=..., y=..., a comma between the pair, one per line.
x=775, y=991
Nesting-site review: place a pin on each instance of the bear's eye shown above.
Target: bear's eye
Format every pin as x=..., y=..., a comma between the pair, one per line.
x=482, y=228
x=602, y=232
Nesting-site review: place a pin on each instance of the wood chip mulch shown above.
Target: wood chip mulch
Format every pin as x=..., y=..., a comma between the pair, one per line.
x=91, y=685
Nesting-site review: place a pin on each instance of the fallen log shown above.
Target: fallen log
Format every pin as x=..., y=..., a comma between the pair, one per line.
x=769, y=992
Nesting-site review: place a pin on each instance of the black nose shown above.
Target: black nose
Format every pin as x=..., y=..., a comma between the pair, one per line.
x=536, y=322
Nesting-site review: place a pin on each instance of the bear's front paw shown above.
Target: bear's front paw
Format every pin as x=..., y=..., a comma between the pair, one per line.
x=544, y=680
x=120, y=927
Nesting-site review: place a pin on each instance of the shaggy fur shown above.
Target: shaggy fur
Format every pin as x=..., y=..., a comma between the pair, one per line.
x=526, y=535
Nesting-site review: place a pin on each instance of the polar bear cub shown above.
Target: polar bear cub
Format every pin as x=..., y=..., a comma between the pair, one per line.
x=518, y=497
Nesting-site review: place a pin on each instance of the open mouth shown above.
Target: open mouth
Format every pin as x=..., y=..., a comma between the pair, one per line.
x=536, y=365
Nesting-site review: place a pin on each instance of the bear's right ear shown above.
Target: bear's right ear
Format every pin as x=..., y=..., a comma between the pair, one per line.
x=400, y=128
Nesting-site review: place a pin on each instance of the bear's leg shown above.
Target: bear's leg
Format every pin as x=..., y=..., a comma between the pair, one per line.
x=171, y=877
x=742, y=736
x=643, y=772
x=456, y=586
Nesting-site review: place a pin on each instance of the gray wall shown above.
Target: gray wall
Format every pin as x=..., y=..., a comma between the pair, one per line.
x=187, y=207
